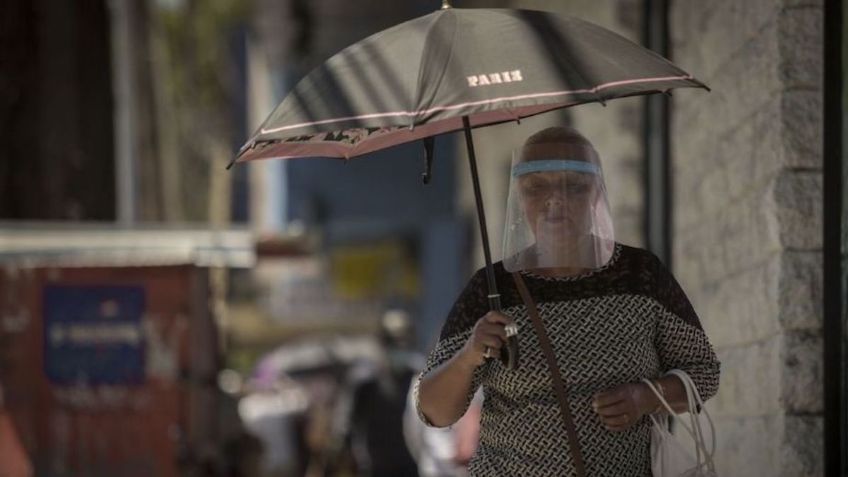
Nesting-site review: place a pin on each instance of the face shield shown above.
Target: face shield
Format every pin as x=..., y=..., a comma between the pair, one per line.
x=557, y=211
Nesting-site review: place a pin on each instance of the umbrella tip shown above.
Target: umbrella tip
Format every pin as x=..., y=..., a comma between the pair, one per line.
x=446, y=4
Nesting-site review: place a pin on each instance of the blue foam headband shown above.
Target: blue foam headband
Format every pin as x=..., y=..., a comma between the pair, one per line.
x=548, y=165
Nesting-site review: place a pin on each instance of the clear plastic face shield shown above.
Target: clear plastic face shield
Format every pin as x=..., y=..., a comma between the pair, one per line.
x=557, y=211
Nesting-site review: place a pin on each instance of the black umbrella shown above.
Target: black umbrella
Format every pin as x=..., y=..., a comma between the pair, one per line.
x=456, y=69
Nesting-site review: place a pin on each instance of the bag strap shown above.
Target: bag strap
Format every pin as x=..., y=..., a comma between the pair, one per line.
x=556, y=378
x=696, y=406
x=694, y=429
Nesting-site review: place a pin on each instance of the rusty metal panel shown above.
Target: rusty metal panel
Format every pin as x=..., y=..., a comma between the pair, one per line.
x=81, y=410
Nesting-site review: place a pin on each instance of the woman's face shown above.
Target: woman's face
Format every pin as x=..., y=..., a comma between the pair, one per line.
x=558, y=204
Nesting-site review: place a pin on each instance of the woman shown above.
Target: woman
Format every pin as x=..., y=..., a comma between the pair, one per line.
x=613, y=314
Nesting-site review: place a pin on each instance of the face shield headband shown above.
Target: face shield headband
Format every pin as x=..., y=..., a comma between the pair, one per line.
x=550, y=165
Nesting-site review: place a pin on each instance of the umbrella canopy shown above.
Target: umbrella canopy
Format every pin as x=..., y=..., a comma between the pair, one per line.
x=419, y=78
x=457, y=69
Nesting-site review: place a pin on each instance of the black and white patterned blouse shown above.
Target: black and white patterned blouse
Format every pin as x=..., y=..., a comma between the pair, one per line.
x=616, y=324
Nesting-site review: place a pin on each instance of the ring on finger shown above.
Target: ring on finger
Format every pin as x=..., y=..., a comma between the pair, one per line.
x=487, y=353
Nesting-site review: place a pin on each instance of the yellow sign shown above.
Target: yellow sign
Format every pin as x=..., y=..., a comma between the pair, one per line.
x=374, y=270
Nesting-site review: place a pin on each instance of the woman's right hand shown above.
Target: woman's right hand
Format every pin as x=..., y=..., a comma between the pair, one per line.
x=488, y=332
x=443, y=391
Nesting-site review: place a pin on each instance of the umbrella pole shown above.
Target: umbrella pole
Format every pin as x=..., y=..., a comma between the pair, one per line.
x=494, y=296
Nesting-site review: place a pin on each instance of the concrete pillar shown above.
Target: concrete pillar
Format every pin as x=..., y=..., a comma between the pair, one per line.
x=746, y=164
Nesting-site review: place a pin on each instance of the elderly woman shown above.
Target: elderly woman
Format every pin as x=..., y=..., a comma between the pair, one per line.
x=613, y=314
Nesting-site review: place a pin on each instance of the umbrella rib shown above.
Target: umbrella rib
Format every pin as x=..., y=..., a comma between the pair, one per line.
x=592, y=90
x=549, y=36
x=424, y=56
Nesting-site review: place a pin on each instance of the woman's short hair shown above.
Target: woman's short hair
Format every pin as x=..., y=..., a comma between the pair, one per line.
x=559, y=138
x=558, y=134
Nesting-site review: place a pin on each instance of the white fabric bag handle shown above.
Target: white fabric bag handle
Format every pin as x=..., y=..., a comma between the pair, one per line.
x=694, y=429
x=695, y=404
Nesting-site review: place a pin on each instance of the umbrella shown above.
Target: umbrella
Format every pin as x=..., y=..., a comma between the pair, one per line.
x=456, y=69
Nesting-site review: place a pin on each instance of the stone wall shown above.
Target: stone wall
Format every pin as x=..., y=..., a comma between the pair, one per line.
x=747, y=221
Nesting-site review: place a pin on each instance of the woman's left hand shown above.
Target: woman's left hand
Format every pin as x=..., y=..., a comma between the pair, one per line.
x=621, y=407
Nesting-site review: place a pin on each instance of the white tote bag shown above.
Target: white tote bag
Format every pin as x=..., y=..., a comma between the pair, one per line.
x=683, y=454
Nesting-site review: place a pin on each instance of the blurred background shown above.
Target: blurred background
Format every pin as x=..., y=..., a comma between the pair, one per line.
x=161, y=315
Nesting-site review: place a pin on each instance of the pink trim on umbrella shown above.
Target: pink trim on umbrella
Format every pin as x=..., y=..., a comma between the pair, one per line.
x=392, y=137
x=477, y=103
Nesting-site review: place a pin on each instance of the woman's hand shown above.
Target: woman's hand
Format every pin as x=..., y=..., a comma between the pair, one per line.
x=623, y=406
x=488, y=333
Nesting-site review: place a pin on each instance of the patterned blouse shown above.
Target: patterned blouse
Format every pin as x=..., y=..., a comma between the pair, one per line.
x=616, y=324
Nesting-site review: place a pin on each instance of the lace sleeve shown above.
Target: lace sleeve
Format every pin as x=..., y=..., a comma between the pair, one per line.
x=680, y=340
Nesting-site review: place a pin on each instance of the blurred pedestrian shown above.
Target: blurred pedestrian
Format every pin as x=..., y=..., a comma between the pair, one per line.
x=442, y=452
x=378, y=402
x=276, y=413
x=613, y=315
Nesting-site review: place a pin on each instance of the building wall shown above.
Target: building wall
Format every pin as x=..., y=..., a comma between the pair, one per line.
x=747, y=221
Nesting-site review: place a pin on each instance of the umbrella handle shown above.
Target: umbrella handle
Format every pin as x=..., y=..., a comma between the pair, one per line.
x=509, y=353
x=494, y=296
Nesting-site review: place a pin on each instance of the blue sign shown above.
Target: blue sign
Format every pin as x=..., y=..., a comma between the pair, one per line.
x=94, y=334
